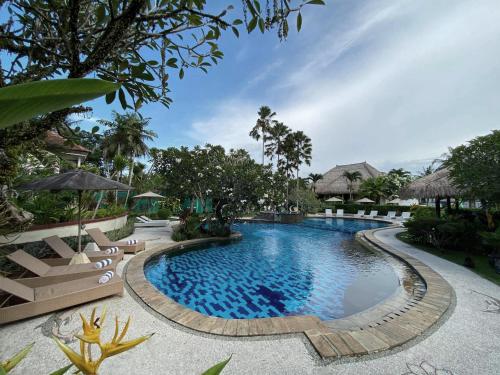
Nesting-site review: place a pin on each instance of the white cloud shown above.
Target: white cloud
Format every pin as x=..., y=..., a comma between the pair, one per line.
x=394, y=84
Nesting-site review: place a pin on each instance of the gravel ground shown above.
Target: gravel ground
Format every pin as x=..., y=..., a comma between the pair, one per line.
x=466, y=343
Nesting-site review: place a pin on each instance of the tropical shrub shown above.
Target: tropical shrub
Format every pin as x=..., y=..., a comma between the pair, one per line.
x=452, y=234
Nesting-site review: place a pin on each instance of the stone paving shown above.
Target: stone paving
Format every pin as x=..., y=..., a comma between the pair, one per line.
x=466, y=343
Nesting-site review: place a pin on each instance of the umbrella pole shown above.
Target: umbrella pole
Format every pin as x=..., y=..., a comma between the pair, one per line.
x=79, y=221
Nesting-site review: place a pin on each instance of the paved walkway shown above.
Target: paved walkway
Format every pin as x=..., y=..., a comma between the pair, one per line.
x=467, y=343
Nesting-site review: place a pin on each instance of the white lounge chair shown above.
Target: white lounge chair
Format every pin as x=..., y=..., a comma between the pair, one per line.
x=328, y=212
x=391, y=215
x=340, y=213
x=405, y=216
x=372, y=213
x=360, y=213
x=145, y=221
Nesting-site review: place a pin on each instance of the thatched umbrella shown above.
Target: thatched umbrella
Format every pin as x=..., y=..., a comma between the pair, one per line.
x=150, y=196
x=334, y=199
x=365, y=200
x=80, y=181
x=437, y=185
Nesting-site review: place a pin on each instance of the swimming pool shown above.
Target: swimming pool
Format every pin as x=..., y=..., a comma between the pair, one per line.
x=314, y=268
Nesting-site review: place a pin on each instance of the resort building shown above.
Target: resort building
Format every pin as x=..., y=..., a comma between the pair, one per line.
x=334, y=183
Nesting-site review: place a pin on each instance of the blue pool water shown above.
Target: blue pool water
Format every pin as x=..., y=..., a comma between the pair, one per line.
x=313, y=268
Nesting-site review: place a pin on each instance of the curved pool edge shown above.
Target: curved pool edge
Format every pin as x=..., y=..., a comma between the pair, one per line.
x=400, y=321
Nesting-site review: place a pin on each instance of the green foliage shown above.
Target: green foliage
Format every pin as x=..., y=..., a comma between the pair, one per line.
x=233, y=181
x=9, y=364
x=108, y=39
x=308, y=203
x=163, y=213
x=22, y=102
x=385, y=186
x=475, y=168
x=217, y=369
x=419, y=212
x=113, y=210
x=455, y=233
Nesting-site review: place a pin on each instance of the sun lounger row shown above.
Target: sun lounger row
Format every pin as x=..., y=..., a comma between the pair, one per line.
x=59, y=284
x=391, y=215
x=144, y=221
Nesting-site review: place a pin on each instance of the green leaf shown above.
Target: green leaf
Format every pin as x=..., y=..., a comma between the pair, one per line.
x=236, y=32
x=110, y=97
x=121, y=96
x=181, y=73
x=261, y=25
x=252, y=24
x=2, y=371
x=172, y=62
x=18, y=357
x=217, y=369
x=25, y=101
x=61, y=371
x=237, y=22
x=316, y=2
x=299, y=21
x=95, y=129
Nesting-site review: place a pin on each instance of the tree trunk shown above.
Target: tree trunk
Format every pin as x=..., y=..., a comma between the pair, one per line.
x=448, y=203
x=437, y=204
x=263, y=148
x=297, y=192
x=101, y=194
x=130, y=175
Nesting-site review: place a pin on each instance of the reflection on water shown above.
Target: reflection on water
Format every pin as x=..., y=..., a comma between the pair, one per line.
x=313, y=268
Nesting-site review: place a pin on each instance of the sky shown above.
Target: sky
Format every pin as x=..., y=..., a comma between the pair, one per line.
x=393, y=83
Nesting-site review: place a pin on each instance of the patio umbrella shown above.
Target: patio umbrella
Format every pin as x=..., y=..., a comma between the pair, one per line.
x=394, y=201
x=80, y=181
x=149, y=196
x=334, y=199
x=365, y=200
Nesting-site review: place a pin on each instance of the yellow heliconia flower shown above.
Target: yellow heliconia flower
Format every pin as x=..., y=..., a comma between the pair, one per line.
x=92, y=335
x=116, y=346
x=81, y=361
x=92, y=329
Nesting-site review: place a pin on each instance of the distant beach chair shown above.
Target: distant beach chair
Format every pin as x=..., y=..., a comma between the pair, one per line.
x=328, y=212
x=104, y=242
x=44, y=270
x=360, y=213
x=145, y=221
x=340, y=212
x=391, y=215
x=42, y=296
x=405, y=216
x=62, y=249
x=372, y=213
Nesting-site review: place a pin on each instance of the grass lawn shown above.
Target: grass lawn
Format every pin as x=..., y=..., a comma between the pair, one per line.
x=481, y=261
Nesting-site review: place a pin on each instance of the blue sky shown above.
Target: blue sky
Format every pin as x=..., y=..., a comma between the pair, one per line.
x=394, y=83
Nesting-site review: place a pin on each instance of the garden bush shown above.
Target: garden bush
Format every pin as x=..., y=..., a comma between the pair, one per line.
x=453, y=233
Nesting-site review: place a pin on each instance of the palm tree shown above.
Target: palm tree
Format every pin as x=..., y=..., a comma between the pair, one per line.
x=277, y=136
x=299, y=149
x=262, y=126
x=374, y=187
x=127, y=136
x=313, y=178
x=351, y=177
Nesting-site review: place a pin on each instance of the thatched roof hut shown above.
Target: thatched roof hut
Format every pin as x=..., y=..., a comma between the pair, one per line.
x=431, y=186
x=334, y=182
